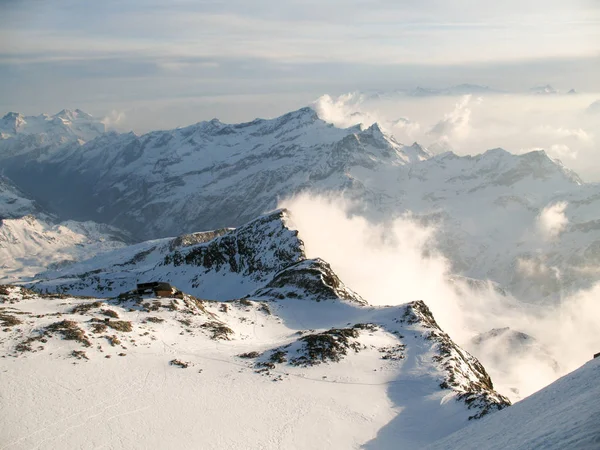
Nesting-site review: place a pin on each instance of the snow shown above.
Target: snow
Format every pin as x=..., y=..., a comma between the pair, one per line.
x=564, y=415
x=230, y=266
x=140, y=400
x=62, y=127
x=488, y=211
x=29, y=245
x=13, y=202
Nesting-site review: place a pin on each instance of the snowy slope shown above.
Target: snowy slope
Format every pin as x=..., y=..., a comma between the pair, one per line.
x=14, y=203
x=32, y=240
x=279, y=373
x=564, y=415
x=29, y=244
x=21, y=134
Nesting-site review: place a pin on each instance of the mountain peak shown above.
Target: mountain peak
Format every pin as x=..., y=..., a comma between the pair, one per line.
x=72, y=115
x=497, y=152
x=306, y=113
x=375, y=129
x=12, y=116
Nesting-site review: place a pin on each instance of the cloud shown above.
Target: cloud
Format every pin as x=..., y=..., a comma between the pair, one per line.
x=396, y=262
x=114, y=120
x=343, y=111
x=562, y=152
x=564, y=133
x=404, y=126
x=552, y=221
x=455, y=124
x=347, y=110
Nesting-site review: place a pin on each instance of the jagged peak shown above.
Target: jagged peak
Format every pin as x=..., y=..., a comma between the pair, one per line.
x=276, y=214
x=418, y=148
x=215, y=126
x=375, y=128
x=304, y=115
x=497, y=152
x=13, y=116
x=311, y=279
x=68, y=114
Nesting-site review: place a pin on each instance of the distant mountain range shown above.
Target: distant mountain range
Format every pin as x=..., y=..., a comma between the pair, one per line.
x=213, y=175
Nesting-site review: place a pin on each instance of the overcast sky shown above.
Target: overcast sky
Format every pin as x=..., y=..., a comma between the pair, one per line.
x=187, y=60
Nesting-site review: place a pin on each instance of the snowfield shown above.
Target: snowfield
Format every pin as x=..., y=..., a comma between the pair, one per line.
x=564, y=415
x=171, y=372
x=29, y=245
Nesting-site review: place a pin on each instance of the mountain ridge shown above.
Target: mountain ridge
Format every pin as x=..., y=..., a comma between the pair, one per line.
x=212, y=175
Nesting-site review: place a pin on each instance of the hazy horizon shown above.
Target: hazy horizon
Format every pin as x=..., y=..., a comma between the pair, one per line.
x=186, y=61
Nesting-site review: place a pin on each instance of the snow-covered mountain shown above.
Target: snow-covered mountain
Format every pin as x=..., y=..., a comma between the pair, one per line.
x=262, y=259
x=560, y=416
x=31, y=244
x=19, y=133
x=495, y=214
x=490, y=209
x=14, y=203
x=273, y=337
x=33, y=240
x=301, y=363
x=204, y=176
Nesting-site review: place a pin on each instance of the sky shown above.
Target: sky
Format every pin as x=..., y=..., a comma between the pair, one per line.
x=163, y=64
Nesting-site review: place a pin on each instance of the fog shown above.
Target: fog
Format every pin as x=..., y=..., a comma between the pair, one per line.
x=564, y=125
x=396, y=262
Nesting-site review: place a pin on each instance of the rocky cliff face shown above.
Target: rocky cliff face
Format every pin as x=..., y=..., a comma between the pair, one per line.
x=230, y=265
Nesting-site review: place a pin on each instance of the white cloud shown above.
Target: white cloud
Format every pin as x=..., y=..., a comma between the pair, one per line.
x=552, y=220
x=562, y=152
x=114, y=120
x=343, y=111
x=564, y=133
x=455, y=124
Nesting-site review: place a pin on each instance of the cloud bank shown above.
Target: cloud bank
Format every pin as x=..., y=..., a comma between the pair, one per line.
x=396, y=262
